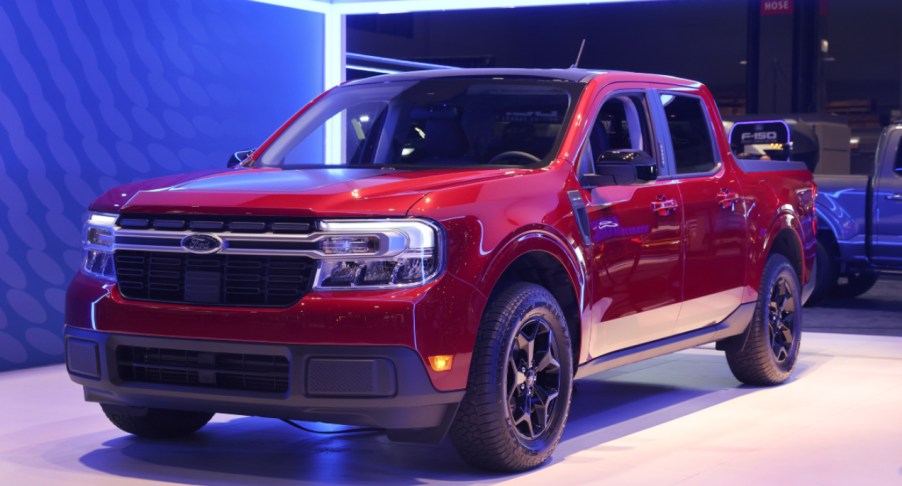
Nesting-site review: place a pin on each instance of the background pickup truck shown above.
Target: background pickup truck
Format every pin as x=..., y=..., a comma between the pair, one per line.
x=859, y=232
x=463, y=246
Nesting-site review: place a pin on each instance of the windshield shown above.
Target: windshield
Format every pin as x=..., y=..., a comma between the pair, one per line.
x=430, y=123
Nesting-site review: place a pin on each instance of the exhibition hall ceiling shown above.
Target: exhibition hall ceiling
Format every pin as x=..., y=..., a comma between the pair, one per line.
x=351, y=7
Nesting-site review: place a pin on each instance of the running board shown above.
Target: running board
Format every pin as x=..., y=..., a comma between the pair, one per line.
x=885, y=270
x=734, y=325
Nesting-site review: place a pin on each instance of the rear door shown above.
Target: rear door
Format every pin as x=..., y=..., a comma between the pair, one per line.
x=635, y=231
x=715, y=244
x=887, y=216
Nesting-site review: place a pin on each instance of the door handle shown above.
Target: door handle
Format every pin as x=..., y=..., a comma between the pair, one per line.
x=664, y=205
x=894, y=197
x=727, y=198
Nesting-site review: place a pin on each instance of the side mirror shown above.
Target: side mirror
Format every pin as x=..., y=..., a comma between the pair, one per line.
x=621, y=168
x=238, y=157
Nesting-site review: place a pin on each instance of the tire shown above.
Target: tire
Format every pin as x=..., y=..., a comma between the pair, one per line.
x=491, y=430
x=858, y=283
x=158, y=423
x=827, y=274
x=772, y=339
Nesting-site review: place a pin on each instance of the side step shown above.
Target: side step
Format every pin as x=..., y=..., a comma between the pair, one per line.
x=734, y=325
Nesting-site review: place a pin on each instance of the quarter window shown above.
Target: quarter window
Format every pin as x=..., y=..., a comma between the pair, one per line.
x=690, y=133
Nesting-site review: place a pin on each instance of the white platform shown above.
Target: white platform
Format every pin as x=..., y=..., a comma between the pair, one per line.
x=678, y=419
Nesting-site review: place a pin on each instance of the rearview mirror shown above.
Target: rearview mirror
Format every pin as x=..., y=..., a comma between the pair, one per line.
x=621, y=168
x=238, y=157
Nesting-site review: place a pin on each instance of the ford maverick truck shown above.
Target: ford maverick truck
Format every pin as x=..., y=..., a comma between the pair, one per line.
x=443, y=252
x=859, y=234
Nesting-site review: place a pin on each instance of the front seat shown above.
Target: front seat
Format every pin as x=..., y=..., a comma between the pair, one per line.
x=445, y=141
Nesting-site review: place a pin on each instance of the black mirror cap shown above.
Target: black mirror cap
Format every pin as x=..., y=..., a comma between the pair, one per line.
x=646, y=166
x=622, y=167
x=591, y=181
x=647, y=173
x=238, y=157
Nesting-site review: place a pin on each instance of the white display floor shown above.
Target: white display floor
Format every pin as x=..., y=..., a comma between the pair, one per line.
x=678, y=419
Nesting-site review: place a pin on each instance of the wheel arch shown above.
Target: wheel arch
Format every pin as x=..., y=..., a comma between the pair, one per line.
x=826, y=221
x=828, y=229
x=786, y=242
x=827, y=237
x=541, y=257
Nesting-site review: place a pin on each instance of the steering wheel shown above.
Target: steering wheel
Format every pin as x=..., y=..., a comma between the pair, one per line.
x=514, y=154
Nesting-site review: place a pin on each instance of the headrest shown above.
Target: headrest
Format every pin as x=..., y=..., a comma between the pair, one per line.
x=434, y=112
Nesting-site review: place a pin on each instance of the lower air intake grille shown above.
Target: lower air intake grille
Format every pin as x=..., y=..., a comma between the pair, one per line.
x=224, y=371
x=235, y=280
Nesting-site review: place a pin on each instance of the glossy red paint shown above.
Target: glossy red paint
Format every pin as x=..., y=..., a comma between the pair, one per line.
x=415, y=318
x=115, y=199
x=637, y=260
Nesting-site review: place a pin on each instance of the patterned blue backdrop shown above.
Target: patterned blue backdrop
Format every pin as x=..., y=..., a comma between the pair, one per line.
x=95, y=93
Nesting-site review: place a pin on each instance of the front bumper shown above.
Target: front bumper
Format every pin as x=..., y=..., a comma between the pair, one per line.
x=375, y=386
x=439, y=318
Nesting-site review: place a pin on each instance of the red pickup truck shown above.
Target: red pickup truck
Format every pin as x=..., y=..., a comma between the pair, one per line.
x=467, y=244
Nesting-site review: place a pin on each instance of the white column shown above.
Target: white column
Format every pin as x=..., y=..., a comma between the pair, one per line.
x=333, y=75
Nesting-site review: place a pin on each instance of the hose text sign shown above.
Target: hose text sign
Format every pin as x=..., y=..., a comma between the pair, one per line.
x=776, y=7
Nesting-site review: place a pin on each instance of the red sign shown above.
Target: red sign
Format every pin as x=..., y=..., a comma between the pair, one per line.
x=776, y=7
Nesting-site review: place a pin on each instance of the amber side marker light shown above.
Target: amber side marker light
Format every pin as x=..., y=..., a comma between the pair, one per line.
x=441, y=362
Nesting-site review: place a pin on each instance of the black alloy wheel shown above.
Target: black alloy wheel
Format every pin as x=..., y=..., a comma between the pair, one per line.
x=781, y=319
x=520, y=382
x=533, y=378
x=767, y=352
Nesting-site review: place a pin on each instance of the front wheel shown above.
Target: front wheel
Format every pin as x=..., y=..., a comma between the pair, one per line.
x=156, y=423
x=520, y=383
x=772, y=340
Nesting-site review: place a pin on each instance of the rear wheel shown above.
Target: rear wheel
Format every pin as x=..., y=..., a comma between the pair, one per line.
x=825, y=279
x=857, y=284
x=156, y=423
x=520, y=382
x=772, y=340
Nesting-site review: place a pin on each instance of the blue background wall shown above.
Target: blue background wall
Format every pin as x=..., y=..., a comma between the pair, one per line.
x=95, y=93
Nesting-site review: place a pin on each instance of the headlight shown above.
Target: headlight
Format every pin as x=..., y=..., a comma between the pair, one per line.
x=98, y=245
x=378, y=254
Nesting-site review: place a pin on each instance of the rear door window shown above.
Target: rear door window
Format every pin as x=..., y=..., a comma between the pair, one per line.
x=690, y=133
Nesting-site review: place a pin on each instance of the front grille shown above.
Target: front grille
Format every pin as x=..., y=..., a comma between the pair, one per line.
x=234, y=224
x=233, y=280
x=224, y=371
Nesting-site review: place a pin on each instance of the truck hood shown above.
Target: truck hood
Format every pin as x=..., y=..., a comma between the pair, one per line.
x=276, y=192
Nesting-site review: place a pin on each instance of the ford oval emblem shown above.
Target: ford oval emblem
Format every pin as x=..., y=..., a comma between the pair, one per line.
x=203, y=244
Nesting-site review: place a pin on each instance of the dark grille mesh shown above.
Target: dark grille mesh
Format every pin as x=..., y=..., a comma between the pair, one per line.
x=235, y=280
x=226, y=371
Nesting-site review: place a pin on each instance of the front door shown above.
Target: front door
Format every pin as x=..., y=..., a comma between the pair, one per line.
x=636, y=236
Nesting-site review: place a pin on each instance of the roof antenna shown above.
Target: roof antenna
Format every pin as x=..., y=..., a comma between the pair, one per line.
x=579, y=55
